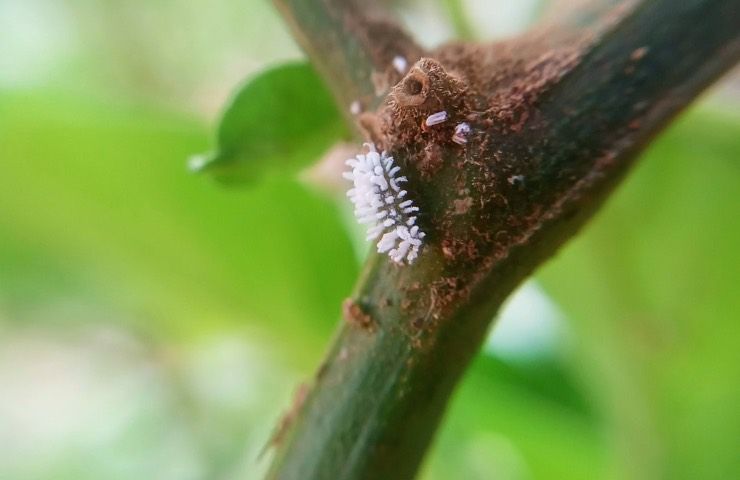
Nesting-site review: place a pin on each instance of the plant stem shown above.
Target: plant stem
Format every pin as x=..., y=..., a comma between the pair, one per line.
x=410, y=332
x=348, y=45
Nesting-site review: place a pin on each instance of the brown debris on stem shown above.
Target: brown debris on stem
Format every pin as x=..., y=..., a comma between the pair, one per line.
x=354, y=315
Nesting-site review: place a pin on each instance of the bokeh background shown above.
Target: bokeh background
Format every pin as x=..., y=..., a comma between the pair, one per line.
x=154, y=323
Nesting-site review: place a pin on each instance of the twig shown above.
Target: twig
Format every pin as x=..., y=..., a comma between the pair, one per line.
x=352, y=47
x=556, y=121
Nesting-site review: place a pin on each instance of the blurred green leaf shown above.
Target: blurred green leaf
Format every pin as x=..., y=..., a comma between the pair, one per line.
x=512, y=421
x=651, y=289
x=96, y=209
x=282, y=119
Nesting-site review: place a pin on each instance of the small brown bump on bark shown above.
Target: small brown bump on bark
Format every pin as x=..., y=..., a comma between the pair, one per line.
x=427, y=89
x=431, y=161
x=462, y=205
x=405, y=304
x=639, y=54
x=413, y=89
x=355, y=316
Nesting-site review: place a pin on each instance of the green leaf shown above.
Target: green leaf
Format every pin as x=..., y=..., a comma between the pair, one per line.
x=96, y=210
x=282, y=119
x=651, y=289
x=509, y=420
x=103, y=231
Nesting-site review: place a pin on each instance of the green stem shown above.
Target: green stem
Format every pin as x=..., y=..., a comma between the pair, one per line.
x=350, y=46
x=410, y=332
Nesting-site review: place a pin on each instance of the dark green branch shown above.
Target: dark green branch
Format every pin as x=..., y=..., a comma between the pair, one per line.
x=555, y=130
x=353, y=47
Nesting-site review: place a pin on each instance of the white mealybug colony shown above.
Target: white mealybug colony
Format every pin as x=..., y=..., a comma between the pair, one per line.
x=381, y=204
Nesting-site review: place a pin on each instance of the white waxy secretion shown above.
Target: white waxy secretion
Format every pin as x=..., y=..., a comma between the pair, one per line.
x=436, y=118
x=382, y=204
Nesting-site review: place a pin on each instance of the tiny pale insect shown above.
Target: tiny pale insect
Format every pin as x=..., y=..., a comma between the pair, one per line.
x=436, y=118
x=462, y=130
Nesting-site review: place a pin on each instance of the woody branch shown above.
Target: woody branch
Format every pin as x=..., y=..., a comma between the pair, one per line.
x=557, y=116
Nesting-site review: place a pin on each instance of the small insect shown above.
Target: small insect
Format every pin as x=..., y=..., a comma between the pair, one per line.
x=462, y=130
x=381, y=204
x=436, y=119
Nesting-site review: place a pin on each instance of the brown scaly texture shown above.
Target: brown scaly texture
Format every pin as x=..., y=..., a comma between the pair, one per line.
x=495, y=89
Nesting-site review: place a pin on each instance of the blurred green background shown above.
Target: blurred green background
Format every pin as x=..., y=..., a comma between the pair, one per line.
x=154, y=323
